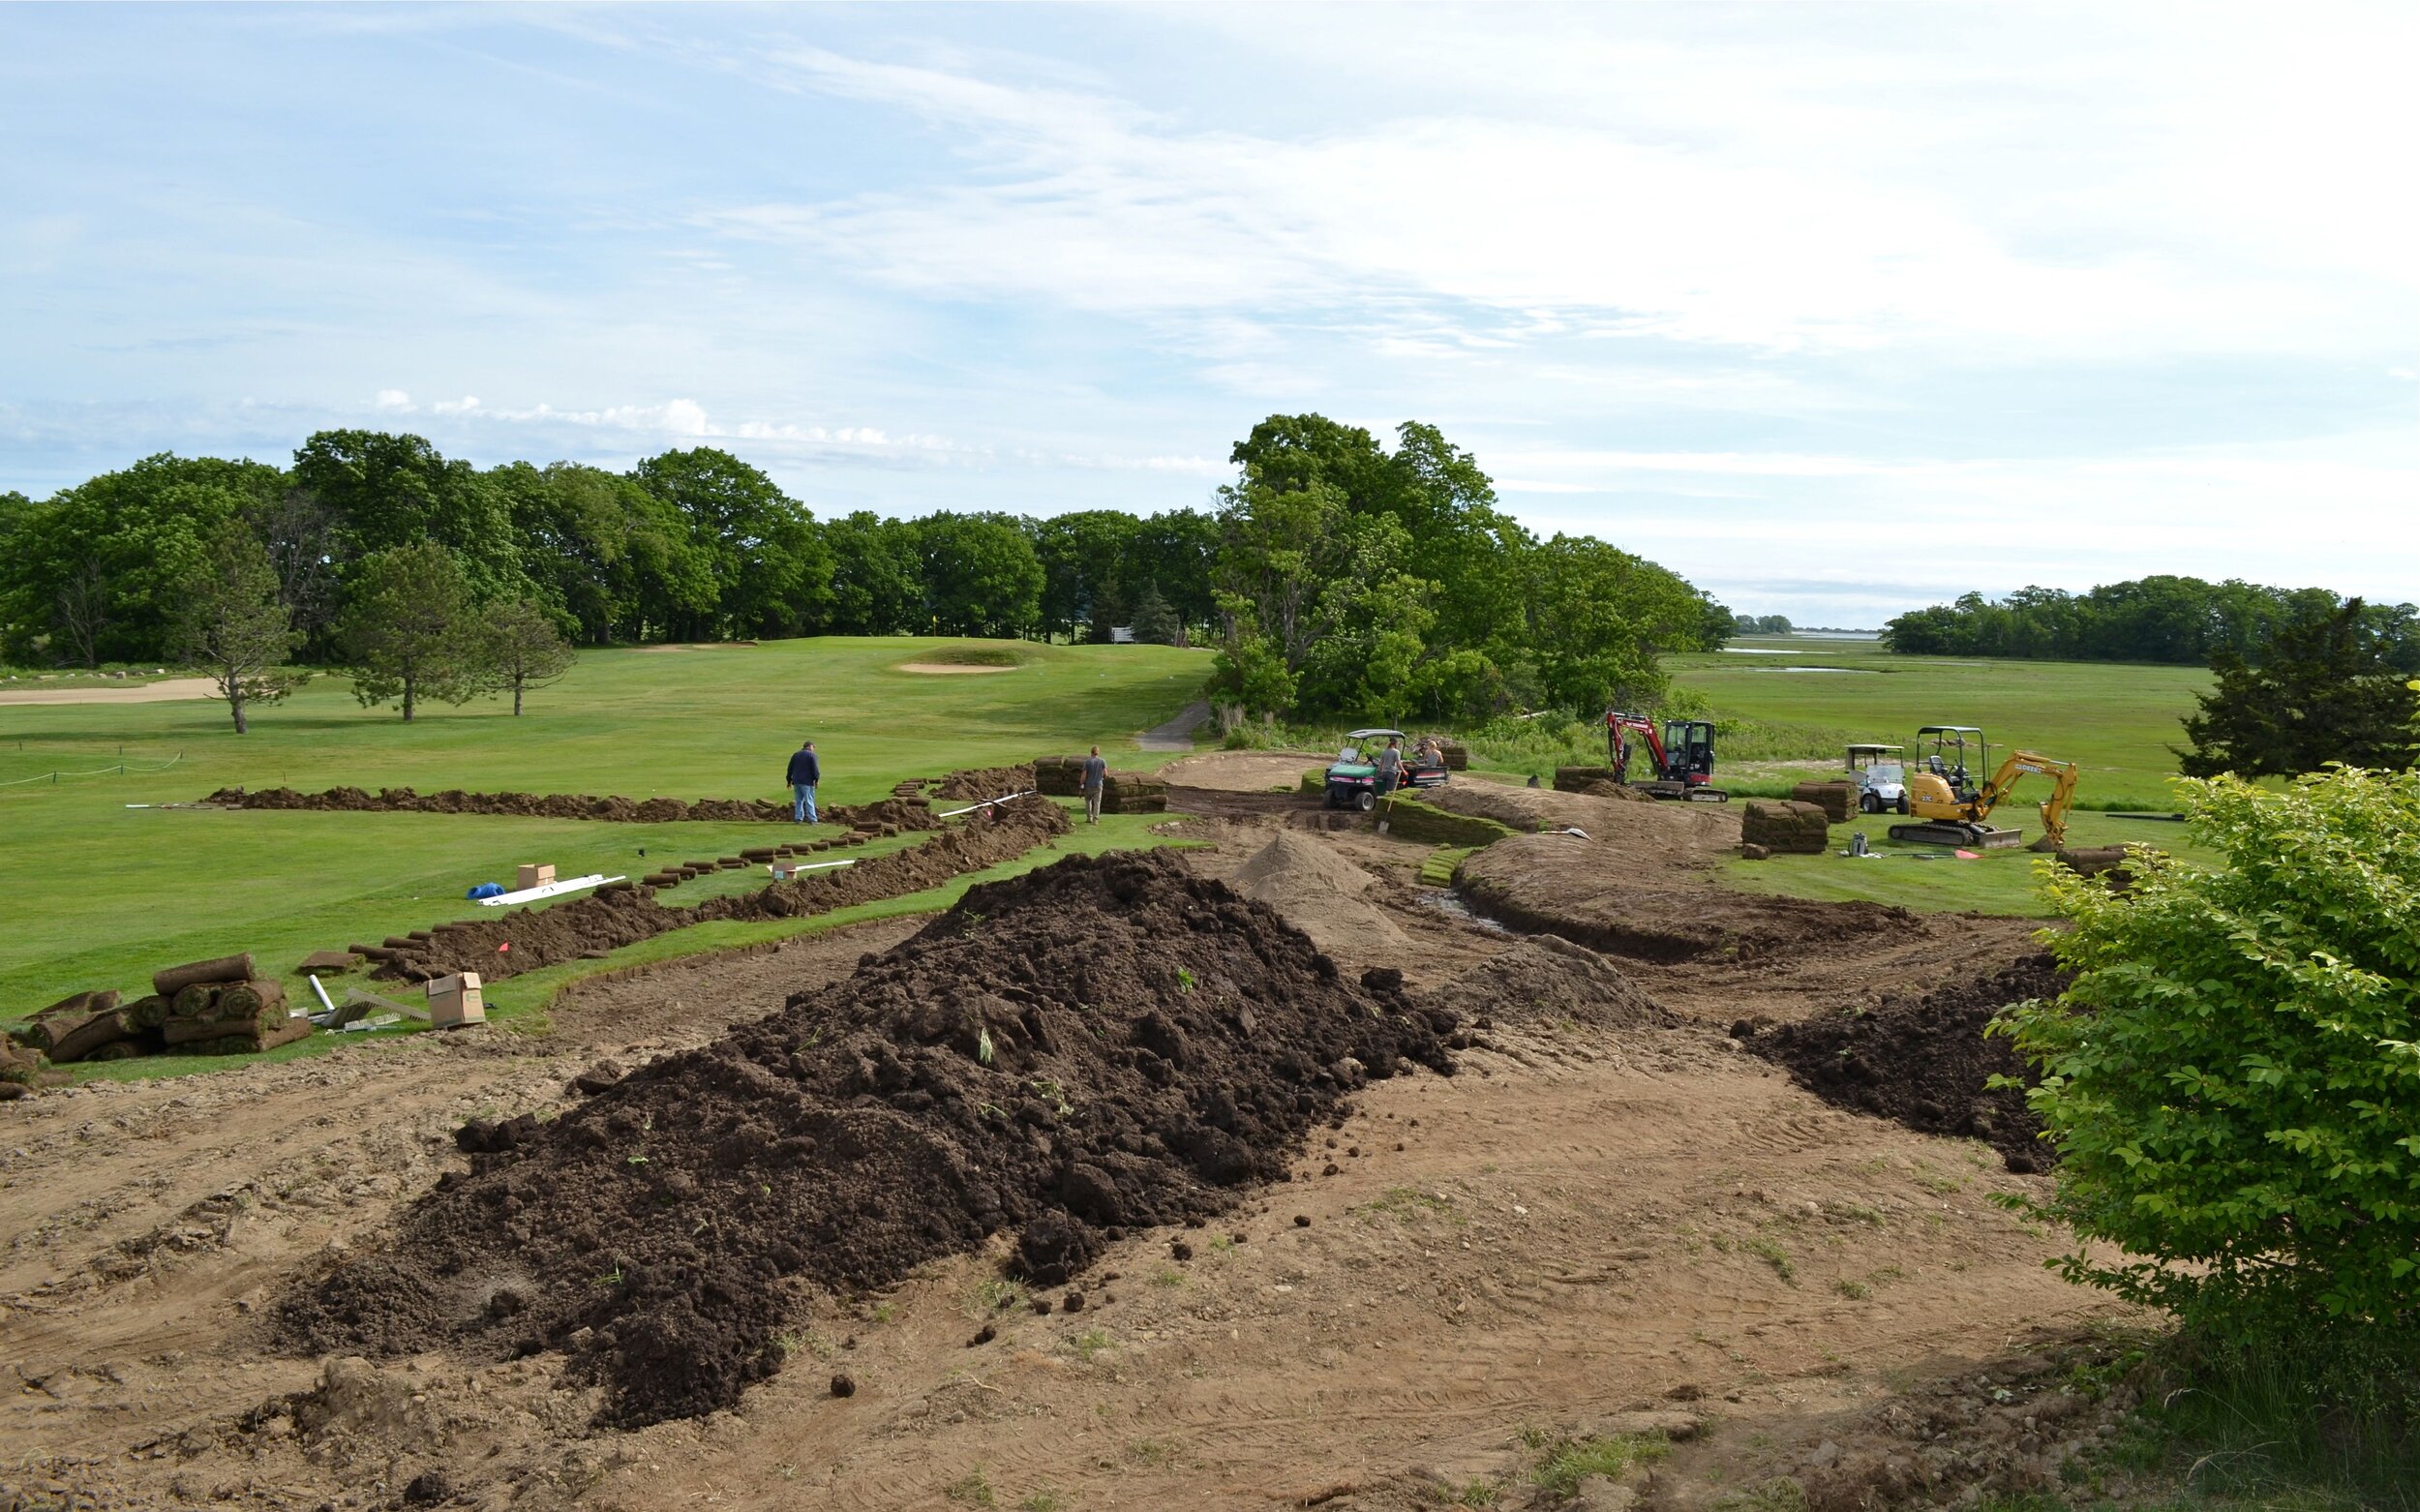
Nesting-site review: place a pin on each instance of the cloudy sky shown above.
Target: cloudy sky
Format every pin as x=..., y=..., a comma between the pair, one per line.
x=1835, y=309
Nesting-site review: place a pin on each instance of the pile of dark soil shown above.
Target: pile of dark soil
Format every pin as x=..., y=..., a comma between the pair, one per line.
x=907, y=814
x=1542, y=980
x=608, y=919
x=1104, y=1044
x=1924, y=1061
x=978, y=783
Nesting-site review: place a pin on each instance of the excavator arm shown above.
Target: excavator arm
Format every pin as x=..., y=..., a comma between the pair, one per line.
x=2054, y=808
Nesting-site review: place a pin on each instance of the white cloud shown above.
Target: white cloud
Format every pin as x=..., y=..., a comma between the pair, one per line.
x=1733, y=193
x=393, y=401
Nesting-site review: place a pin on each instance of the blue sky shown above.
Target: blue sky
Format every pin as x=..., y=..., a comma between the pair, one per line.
x=1838, y=310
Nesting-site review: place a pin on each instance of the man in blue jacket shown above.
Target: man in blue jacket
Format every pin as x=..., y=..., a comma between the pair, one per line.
x=805, y=771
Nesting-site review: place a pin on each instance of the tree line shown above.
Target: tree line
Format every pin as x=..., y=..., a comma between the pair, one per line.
x=1336, y=576
x=2182, y=620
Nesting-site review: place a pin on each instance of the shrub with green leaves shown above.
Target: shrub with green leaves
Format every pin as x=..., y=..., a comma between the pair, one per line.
x=2231, y=1079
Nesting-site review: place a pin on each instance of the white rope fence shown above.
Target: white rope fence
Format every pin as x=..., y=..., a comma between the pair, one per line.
x=120, y=769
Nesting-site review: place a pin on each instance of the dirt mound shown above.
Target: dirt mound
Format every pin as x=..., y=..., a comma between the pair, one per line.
x=1320, y=892
x=1601, y=895
x=978, y=783
x=905, y=813
x=1924, y=1061
x=1658, y=835
x=1544, y=978
x=608, y=919
x=1107, y=1042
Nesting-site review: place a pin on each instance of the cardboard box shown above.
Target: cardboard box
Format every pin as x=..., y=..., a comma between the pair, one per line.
x=535, y=877
x=455, y=1000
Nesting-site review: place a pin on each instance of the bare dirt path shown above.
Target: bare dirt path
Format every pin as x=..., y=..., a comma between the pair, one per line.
x=1589, y=1219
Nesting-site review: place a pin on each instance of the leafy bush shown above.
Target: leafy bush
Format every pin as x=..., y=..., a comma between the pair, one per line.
x=2231, y=1079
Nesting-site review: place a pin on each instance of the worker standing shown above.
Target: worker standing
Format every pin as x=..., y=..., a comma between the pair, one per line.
x=1390, y=764
x=1096, y=774
x=805, y=774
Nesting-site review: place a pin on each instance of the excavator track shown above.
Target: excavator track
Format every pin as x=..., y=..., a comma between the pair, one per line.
x=1981, y=837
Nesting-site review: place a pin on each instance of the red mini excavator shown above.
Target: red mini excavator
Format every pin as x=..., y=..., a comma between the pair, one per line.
x=1681, y=757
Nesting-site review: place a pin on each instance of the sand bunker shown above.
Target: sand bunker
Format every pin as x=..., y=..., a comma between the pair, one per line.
x=1105, y=1044
x=1244, y=771
x=1320, y=894
x=167, y=690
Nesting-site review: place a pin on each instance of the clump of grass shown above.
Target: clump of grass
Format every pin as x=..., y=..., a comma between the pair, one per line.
x=1087, y=1344
x=1404, y=1202
x=1567, y=1461
x=1772, y=1255
x=973, y=1489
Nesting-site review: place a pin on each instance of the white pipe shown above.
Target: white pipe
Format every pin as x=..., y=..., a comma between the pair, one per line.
x=549, y=889
x=986, y=803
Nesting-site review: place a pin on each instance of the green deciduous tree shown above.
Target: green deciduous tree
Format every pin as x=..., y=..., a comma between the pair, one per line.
x=2231, y=1079
x=771, y=568
x=1086, y=567
x=617, y=560
x=229, y=621
x=2325, y=691
x=877, y=576
x=980, y=575
x=95, y=567
x=520, y=647
x=386, y=489
x=1599, y=620
x=410, y=629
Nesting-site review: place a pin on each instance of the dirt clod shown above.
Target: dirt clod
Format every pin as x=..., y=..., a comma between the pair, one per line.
x=844, y=1386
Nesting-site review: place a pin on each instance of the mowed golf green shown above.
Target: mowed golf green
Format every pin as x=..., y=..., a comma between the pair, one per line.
x=98, y=895
x=2118, y=722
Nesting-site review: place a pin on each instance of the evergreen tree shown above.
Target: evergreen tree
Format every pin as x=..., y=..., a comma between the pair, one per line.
x=229, y=620
x=1154, y=623
x=2326, y=690
x=409, y=630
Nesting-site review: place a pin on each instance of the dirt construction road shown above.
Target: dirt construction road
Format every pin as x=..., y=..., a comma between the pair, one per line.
x=1601, y=1213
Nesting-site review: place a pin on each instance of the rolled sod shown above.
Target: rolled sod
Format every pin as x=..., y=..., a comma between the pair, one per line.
x=225, y=968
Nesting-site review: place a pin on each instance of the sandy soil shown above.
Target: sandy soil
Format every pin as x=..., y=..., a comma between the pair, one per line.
x=164, y=690
x=1589, y=1221
x=1242, y=772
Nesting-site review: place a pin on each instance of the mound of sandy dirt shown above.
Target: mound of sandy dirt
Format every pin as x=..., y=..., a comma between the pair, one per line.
x=1105, y=1042
x=1320, y=892
x=1544, y=978
x=607, y=920
x=1924, y=1061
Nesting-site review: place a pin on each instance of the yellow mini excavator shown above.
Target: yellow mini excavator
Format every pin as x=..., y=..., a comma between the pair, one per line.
x=1951, y=820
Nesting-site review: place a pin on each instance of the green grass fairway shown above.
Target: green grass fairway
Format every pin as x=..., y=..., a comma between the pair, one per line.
x=2116, y=720
x=97, y=895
